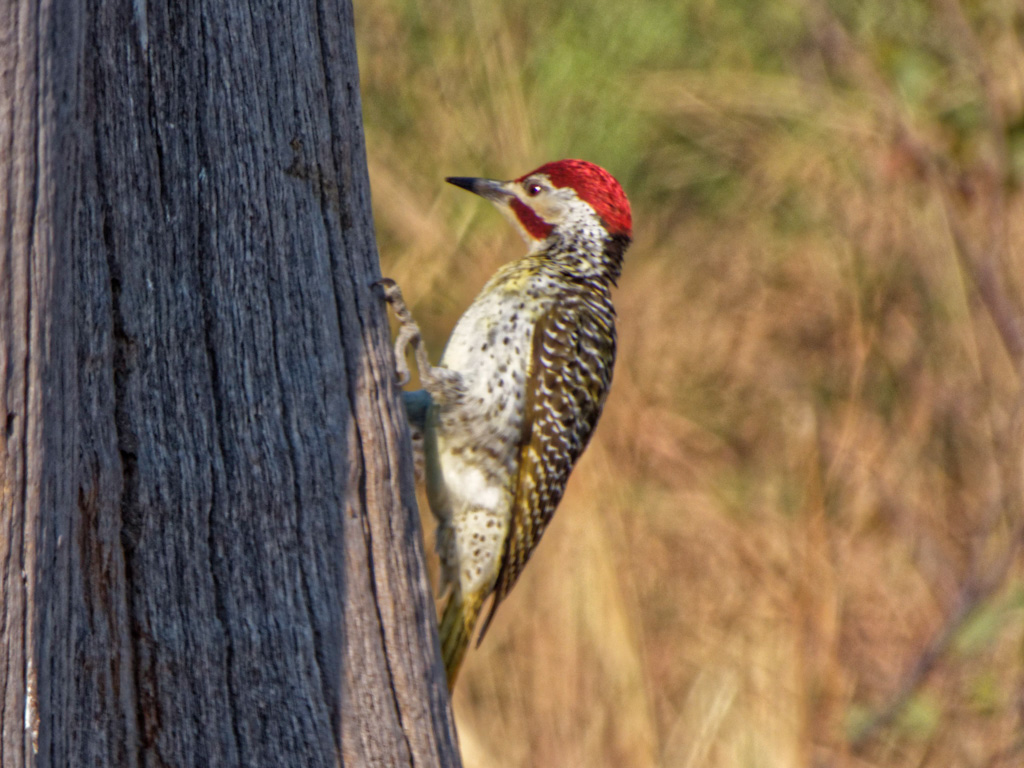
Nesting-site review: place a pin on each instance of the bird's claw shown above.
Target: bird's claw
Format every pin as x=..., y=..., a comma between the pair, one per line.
x=409, y=330
x=388, y=289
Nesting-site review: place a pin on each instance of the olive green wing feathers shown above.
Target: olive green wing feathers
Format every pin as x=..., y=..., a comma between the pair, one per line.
x=570, y=374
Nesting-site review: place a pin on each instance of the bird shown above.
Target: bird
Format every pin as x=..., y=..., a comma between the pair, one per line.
x=518, y=390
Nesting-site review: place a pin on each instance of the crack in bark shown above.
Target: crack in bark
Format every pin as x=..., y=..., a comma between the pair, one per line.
x=385, y=645
x=122, y=350
x=35, y=336
x=206, y=305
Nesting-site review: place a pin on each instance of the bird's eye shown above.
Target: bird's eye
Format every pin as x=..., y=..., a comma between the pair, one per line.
x=534, y=189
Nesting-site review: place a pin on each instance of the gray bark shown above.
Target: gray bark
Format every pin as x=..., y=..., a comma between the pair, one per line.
x=209, y=551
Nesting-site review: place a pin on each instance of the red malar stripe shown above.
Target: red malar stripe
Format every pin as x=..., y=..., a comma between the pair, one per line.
x=532, y=223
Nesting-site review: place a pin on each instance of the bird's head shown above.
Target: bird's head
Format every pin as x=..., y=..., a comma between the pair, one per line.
x=566, y=198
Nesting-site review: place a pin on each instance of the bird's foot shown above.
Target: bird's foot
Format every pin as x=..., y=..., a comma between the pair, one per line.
x=408, y=332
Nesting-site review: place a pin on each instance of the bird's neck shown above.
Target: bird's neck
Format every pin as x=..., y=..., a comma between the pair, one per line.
x=591, y=255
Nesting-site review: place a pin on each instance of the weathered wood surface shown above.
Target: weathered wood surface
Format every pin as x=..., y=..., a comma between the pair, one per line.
x=209, y=553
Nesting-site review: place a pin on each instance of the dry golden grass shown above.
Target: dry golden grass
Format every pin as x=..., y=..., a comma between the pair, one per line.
x=794, y=538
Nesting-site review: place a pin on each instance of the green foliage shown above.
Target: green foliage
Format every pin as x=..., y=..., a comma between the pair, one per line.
x=986, y=624
x=921, y=717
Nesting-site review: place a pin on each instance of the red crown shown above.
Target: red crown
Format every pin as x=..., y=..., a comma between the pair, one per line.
x=595, y=185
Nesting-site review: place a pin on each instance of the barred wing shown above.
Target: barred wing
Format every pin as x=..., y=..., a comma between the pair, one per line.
x=570, y=373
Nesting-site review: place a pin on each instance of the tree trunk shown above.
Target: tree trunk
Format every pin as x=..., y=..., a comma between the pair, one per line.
x=209, y=552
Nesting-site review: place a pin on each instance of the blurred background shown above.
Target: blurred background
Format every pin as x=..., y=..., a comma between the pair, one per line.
x=794, y=538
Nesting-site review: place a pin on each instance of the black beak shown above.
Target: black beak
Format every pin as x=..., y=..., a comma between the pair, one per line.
x=489, y=188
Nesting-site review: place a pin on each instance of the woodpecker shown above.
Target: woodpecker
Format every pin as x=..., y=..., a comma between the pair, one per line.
x=520, y=385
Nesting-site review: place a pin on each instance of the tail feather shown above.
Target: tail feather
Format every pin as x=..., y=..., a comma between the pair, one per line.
x=457, y=623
